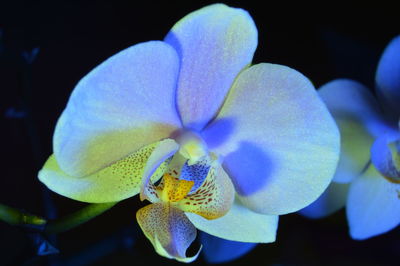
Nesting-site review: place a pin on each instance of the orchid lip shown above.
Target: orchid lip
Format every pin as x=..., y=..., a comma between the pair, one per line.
x=173, y=189
x=201, y=188
x=192, y=188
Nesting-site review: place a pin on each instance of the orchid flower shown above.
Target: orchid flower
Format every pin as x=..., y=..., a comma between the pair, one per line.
x=367, y=180
x=211, y=141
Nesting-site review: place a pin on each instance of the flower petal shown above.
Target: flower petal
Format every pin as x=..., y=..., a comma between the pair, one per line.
x=214, y=43
x=358, y=116
x=122, y=105
x=116, y=182
x=218, y=250
x=283, y=145
x=333, y=199
x=161, y=155
x=168, y=229
x=388, y=78
x=239, y=224
x=385, y=156
x=373, y=205
x=213, y=198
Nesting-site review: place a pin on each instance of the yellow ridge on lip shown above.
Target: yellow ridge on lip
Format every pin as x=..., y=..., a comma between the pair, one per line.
x=175, y=189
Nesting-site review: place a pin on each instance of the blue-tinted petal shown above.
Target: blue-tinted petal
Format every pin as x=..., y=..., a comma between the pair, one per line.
x=168, y=229
x=333, y=199
x=123, y=104
x=239, y=224
x=388, y=78
x=283, y=145
x=373, y=205
x=218, y=250
x=214, y=44
x=359, y=118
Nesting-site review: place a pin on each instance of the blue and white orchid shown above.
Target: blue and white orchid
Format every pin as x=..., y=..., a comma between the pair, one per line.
x=367, y=180
x=213, y=142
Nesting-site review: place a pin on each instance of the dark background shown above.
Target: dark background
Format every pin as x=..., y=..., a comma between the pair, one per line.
x=324, y=41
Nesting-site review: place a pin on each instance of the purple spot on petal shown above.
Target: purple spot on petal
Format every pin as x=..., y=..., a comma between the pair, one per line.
x=248, y=167
x=218, y=132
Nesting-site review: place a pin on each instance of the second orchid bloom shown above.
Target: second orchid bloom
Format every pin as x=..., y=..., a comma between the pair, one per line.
x=213, y=142
x=367, y=180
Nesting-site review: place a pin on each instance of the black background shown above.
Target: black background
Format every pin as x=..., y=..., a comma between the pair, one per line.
x=323, y=41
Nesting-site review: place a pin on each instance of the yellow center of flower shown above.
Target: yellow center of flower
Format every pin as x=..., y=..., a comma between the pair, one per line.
x=174, y=189
x=192, y=147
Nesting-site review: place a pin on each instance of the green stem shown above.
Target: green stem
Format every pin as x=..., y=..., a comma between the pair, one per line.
x=77, y=218
x=17, y=217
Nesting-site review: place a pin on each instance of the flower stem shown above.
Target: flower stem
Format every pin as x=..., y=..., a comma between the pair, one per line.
x=77, y=218
x=17, y=217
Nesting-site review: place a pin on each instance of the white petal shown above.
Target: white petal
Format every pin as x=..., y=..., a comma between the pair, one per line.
x=214, y=44
x=281, y=145
x=239, y=224
x=122, y=105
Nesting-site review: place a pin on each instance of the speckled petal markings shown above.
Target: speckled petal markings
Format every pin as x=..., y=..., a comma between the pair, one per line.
x=197, y=172
x=169, y=230
x=116, y=182
x=214, y=197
